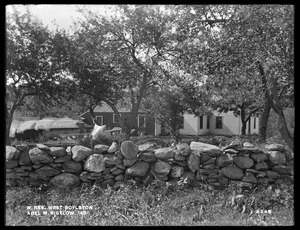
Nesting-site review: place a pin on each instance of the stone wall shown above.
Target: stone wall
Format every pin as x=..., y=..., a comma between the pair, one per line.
x=112, y=165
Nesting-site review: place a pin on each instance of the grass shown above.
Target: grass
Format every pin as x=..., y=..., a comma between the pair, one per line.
x=155, y=205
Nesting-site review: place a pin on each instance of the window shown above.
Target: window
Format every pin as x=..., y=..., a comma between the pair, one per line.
x=254, y=123
x=219, y=123
x=201, y=122
x=99, y=120
x=141, y=121
x=207, y=123
x=115, y=119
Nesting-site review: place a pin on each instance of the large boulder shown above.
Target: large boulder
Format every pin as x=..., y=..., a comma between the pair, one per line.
x=47, y=171
x=233, y=173
x=276, y=158
x=24, y=158
x=164, y=153
x=72, y=167
x=39, y=156
x=258, y=157
x=283, y=169
x=65, y=180
x=211, y=150
x=94, y=163
x=98, y=149
x=243, y=162
x=162, y=167
x=193, y=162
x=57, y=151
x=10, y=153
x=129, y=149
x=138, y=169
x=223, y=161
x=80, y=152
x=176, y=171
x=275, y=147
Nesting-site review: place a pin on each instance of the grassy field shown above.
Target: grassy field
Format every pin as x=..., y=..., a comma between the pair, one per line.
x=173, y=204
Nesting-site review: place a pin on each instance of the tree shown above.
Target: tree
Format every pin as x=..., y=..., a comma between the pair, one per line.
x=120, y=55
x=256, y=40
x=33, y=64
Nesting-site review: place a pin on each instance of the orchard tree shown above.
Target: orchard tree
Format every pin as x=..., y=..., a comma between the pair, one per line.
x=119, y=55
x=33, y=62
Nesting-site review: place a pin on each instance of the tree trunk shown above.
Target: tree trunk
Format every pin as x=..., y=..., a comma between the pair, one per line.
x=283, y=129
x=264, y=121
x=8, y=124
x=243, y=116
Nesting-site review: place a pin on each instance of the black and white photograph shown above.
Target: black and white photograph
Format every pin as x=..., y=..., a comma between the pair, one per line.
x=149, y=115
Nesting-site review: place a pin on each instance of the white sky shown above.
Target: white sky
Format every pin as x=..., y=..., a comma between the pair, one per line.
x=63, y=15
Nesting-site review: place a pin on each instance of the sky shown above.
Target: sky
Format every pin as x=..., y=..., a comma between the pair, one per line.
x=62, y=14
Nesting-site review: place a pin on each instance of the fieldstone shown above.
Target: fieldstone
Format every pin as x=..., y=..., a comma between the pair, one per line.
x=138, y=169
x=11, y=164
x=178, y=163
x=236, y=145
x=19, y=170
x=98, y=149
x=47, y=171
x=231, y=151
x=22, y=147
x=248, y=145
x=107, y=171
x=10, y=153
x=215, y=176
x=55, y=165
x=164, y=153
x=147, y=157
x=258, y=157
x=177, y=156
x=11, y=183
x=65, y=180
x=128, y=162
x=80, y=152
x=112, y=161
x=211, y=180
x=263, y=166
x=283, y=169
x=188, y=176
x=276, y=158
x=243, y=184
x=263, y=180
x=211, y=150
x=117, y=172
x=39, y=156
x=184, y=149
x=83, y=176
x=176, y=171
x=261, y=174
x=98, y=174
x=69, y=150
x=119, y=177
x=9, y=170
x=272, y=174
x=25, y=167
x=24, y=158
x=209, y=166
x=252, y=171
x=250, y=179
x=147, y=147
x=72, y=167
x=63, y=159
x=210, y=161
x=57, y=151
x=119, y=154
x=275, y=147
x=43, y=147
x=37, y=166
x=120, y=166
x=204, y=158
x=224, y=181
x=243, y=162
x=108, y=176
x=201, y=177
x=162, y=167
x=193, y=162
x=94, y=163
x=33, y=175
x=223, y=161
x=113, y=148
x=129, y=149
x=109, y=182
x=10, y=175
x=233, y=173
